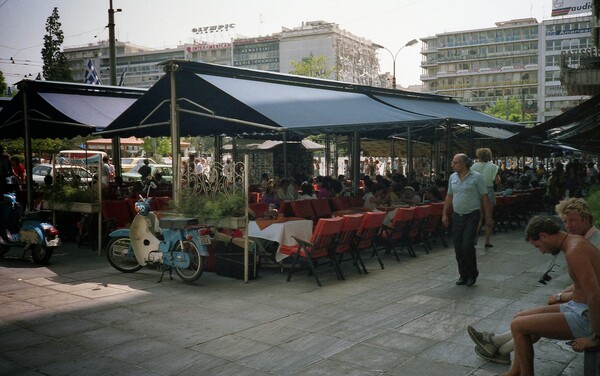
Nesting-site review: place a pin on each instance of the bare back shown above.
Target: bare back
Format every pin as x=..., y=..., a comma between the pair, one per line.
x=583, y=260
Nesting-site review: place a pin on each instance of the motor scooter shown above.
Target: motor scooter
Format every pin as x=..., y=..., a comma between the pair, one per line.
x=31, y=231
x=182, y=245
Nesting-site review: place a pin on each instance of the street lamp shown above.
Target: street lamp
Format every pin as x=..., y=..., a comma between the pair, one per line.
x=394, y=55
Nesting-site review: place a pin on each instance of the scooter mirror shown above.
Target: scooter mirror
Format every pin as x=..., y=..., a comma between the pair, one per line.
x=153, y=185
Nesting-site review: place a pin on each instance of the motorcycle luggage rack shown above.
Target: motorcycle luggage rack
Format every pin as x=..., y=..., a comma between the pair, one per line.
x=176, y=223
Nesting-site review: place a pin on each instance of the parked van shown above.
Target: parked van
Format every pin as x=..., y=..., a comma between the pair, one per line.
x=90, y=158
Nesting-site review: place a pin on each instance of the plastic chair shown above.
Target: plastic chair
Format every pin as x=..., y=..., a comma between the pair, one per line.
x=356, y=202
x=340, y=203
x=303, y=209
x=347, y=237
x=434, y=227
x=320, y=246
x=321, y=208
x=416, y=231
x=397, y=232
x=259, y=209
x=366, y=235
x=117, y=213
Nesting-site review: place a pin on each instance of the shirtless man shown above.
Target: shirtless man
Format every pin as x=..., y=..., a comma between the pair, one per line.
x=578, y=319
x=578, y=220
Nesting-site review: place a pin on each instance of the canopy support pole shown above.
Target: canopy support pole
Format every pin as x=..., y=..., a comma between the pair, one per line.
x=355, y=162
x=409, y=156
x=328, y=154
x=218, y=149
x=28, y=152
x=471, y=150
x=175, y=145
x=285, y=158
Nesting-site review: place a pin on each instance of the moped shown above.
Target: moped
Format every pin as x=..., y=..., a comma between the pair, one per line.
x=181, y=246
x=30, y=231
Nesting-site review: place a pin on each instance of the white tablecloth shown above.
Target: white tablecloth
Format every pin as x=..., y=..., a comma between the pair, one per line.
x=281, y=233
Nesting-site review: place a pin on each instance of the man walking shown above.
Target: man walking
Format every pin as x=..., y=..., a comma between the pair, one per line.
x=467, y=192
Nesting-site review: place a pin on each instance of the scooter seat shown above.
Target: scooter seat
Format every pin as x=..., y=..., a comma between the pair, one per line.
x=177, y=223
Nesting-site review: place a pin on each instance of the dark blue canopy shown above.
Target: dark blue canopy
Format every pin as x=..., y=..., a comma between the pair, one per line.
x=64, y=110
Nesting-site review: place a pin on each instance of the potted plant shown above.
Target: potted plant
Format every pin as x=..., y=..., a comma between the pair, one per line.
x=69, y=197
x=220, y=210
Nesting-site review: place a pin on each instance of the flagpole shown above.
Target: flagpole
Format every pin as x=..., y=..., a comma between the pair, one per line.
x=116, y=144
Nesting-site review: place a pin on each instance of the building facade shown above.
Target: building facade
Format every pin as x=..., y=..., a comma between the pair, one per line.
x=516, y=59
x=348, y=57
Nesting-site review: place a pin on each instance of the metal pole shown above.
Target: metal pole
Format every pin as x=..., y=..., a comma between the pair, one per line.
x=28, y=151
x=112, y=49
x=285, y=171
x=175, y=145
x=355, y=162
x=246, y=190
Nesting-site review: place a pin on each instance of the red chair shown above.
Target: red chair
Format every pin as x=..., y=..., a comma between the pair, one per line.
x=259, y=209
x=434, y=228
x=159, y=203
x=416, y=231
x=285, y=208
x=340, y=203
x=117, y=212
x=321, y=208
x=320, y=246
x=356, y=202
x=347, y=237
x=366, y=236
x=303, y=209
x=397, y=232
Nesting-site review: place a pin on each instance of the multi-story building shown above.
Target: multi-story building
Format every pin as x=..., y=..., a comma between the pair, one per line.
x=260, y=53
x=348, y=57
x=483, y=66
x=561, y=39
x=517, y=58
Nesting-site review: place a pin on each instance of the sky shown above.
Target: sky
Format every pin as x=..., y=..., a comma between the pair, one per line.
x=166, y=24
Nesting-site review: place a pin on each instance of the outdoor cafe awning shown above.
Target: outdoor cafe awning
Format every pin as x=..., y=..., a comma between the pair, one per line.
x=63, y=110
x=212, y=98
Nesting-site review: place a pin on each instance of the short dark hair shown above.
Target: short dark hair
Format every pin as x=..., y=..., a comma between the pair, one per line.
x=539, y=224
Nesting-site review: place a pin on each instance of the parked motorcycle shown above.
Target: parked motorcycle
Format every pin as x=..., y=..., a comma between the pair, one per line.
x=167, y=243
x=31, y=231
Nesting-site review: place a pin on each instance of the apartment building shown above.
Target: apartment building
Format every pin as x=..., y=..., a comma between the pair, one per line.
x=516, y=59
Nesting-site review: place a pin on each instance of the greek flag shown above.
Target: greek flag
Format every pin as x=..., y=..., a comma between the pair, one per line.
x=91, y=76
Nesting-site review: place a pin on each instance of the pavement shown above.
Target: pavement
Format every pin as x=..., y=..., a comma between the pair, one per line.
x=79, y=316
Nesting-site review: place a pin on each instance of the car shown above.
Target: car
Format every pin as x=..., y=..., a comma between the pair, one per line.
x=69, y=172
x=165, y=170
x=127, y=163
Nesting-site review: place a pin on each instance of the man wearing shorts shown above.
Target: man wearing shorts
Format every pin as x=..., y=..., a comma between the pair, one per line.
x=578, y=220
x=578, y=319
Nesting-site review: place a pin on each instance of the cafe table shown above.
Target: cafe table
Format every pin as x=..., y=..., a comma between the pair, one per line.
x=280, y=231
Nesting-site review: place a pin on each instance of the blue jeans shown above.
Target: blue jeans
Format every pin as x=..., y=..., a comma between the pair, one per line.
x=464, y=231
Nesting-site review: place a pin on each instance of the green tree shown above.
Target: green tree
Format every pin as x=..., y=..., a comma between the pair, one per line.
x=55, y=64
x=511, y=110
x=163, y=146
x=3, y=85
x=312, y=66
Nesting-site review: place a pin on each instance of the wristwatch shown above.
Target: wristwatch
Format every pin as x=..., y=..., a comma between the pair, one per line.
x=558, y=296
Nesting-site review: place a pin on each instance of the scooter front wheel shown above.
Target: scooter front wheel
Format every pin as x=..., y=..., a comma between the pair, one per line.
x=196, y=266
x=41, y=255
x=120, y=255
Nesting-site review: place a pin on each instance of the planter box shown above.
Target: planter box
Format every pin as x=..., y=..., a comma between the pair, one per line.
x=74, y=207
x=231, y=222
